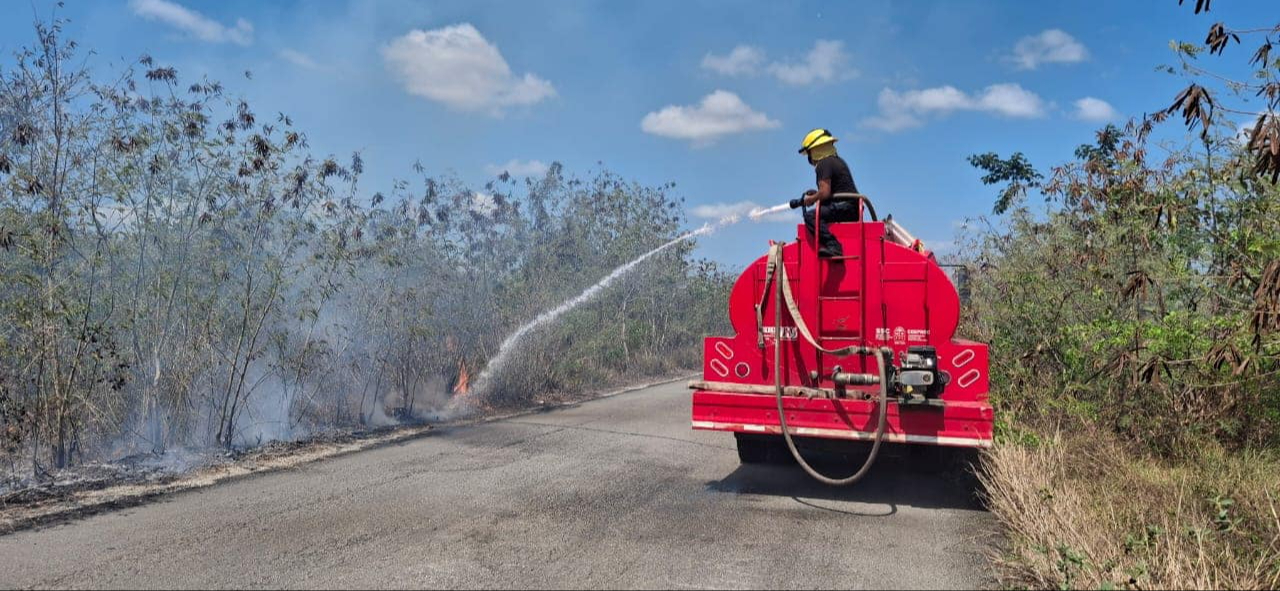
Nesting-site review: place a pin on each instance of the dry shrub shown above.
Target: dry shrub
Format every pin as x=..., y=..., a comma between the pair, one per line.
x=1087, y=511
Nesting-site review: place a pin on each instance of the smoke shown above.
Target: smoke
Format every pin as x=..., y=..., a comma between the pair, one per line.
x=465, y=404
x=378, y=413
x=267, y=408
x=431, y=396
x=279, y=300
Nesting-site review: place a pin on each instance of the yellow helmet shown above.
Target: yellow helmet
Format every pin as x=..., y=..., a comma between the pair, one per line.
x=816, y=138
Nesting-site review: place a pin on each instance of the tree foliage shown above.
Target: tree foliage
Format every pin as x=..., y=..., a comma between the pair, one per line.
x=1015, y=172
x=178, y=269
x=1202, y=107
x=1144, y=296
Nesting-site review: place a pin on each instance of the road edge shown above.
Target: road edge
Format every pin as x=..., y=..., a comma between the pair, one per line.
x=86, y=504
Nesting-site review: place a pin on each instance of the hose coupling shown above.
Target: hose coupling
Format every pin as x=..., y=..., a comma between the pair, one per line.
x=855, y=379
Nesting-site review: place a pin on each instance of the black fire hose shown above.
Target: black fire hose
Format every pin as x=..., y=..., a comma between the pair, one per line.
x=856, y=197
x=871, y=209
x=782, y=415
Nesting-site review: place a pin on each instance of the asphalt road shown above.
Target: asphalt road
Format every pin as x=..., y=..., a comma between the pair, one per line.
x=617, y=492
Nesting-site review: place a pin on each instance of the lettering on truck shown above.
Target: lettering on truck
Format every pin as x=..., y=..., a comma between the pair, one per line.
x=789, y=333
x=902, y=336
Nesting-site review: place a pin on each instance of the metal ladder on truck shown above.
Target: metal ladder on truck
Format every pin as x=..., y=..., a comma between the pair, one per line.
x=823, y=266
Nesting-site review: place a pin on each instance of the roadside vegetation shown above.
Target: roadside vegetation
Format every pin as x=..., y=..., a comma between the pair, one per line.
x=179, y=270
x=1134, y=319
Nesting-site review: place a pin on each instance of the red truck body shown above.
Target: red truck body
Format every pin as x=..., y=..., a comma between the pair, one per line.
x=880, y=293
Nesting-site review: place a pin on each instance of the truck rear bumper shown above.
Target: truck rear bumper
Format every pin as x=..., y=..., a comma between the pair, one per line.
x=957, y=424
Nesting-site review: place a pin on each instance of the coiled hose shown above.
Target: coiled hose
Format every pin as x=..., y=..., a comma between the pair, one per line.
x=856, y=197
x=782, y=415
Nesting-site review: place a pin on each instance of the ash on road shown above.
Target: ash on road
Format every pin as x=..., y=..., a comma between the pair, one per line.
x=617, y=492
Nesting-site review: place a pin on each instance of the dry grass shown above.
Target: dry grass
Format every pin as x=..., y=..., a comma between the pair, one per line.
x=1084, y=511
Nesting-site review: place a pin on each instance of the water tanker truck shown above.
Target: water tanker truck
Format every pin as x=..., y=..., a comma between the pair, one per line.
x=858, y=347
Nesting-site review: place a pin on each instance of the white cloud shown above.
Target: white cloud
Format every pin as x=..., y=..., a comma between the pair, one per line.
x=826, y=62
x=456, y=66
x=1010, y=100
x=741, y=210
x=905, y=110
x=719, y=114
x=1050, y=46
x=1096, y=110
x=742, y=61
x=518, y=168
x=942, y=98
x=299, y=59
x=192, y=22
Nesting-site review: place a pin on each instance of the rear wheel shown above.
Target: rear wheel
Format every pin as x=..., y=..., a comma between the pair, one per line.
x=760, y=449
x=752, y=450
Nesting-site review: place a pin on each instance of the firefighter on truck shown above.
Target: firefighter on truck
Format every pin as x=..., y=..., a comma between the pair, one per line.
x=834, y=178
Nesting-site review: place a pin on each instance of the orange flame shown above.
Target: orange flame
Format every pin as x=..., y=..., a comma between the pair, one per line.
x=461, y=386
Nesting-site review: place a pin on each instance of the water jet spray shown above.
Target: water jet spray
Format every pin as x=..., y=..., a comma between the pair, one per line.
x=462, y=404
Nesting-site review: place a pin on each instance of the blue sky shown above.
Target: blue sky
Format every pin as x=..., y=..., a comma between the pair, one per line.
x=712, y=96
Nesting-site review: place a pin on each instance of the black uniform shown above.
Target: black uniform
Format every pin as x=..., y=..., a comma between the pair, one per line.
x=833, y=168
